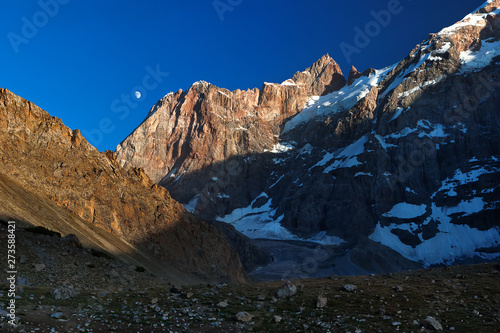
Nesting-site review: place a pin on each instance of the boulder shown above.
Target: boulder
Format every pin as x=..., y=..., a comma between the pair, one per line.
x=244, y=317
x=63, y=292
x=287, y=290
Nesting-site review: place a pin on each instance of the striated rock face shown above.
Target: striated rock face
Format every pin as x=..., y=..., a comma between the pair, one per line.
x=407, y=156
x=49, y=159
x=211, y=133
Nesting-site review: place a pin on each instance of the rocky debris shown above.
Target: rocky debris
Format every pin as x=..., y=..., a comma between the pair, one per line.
x=22, y=259
x=398, y=288
x=287, y=290
x=71, y=240
x=113, y=274
x=244, y=317
x=433, y=324
x=350, y=288
x=81, y=269
x=39, y=267
x=189, y=294
x=23, y=281
x=63, y=292
x=321, y=301
x=112, y=307
x=176, y=289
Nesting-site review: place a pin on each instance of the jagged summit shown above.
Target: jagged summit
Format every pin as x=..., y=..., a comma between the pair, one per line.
x=249, y=119
x=324, y=76
x=353, y=75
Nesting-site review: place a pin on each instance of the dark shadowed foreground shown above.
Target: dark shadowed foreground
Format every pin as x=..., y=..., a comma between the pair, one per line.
x=104, y=294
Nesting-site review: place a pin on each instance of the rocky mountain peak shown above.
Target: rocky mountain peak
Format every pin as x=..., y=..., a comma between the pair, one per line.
x=469, y=33
x=238, y=123
x=324, y=77
x=168, y=99
x=488, y=7
x=353, y=75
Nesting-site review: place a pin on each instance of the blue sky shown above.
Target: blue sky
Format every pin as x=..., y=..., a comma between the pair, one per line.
x=82, y=60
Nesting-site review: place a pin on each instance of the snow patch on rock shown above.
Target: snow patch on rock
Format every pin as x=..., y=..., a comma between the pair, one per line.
x=337, y=101
x=405, y=210
x=477, y=60
x=262, y=222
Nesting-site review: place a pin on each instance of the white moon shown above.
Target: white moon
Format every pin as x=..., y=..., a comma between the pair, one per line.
x=137, y=94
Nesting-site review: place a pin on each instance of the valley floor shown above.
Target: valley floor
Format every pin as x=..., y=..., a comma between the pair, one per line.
x=111, y=296
x=461, y=298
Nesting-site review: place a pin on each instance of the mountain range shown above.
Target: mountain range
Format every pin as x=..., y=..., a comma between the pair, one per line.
x=382, y=170
x=399, y=164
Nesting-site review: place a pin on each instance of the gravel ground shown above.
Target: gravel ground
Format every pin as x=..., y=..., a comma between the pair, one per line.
x=106, y=295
